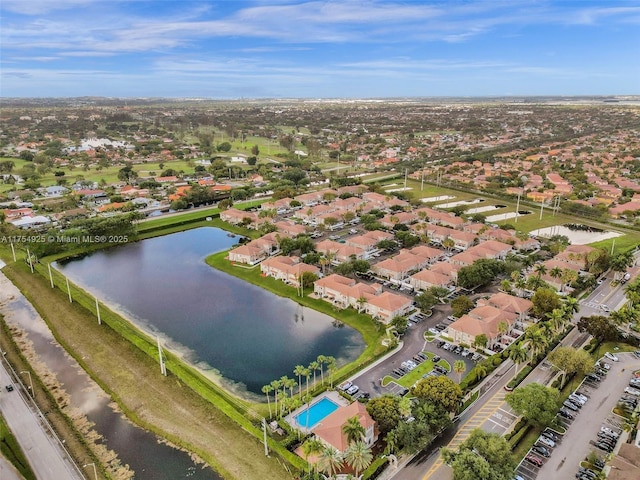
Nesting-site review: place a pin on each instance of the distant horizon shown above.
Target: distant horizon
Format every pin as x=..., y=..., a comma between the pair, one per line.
x=345, y=49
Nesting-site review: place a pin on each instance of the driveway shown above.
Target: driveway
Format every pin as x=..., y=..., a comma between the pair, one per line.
x=576, y=445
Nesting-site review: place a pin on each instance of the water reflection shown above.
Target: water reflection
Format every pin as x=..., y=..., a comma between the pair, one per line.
x=248, y=335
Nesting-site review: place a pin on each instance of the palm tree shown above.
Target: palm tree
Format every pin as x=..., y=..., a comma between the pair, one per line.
x=276, y=386
x=537, y=340
x=322, y=361
x=290, y=384
x=361, y=301
x=459, y=367
x=557, y=319
x=313, y=366
x=568, y=276
x=571, y=305
x=267, y=389
x=540, y=269
x=517, y=355
x=331, y=368
x=358, y=456
x=503, y=327
x=330, y=460
x=299, y=371
x=353, y=429
x=311, y=447
x=448, y=243
x=555, y=272
x=307, y=374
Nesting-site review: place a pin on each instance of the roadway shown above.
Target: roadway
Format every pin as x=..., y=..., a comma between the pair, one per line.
x=45, y=455
x=491, y=413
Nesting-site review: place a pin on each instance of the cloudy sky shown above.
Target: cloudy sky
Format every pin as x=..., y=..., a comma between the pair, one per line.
x=318, y=49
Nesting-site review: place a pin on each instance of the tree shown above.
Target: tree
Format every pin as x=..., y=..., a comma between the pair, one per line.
x=127, y=174
x=481, y=341
x=400, y=324
x=299, y=371
x=224, y=147
x=354, y=430
x=536, y=340
x=425, y=301
x=358, y=456
x=540, y=269
x=461, y=305
x=536, y=403
x=255, y=150
x=384, y=410
x=544, y=301
x=570, y=360
x=517, y=355
x=311, y=447
x=330, y=460
x=459, y=367
x=482, y=456
x=599, y=327
x=267, y=389
x=440, y=390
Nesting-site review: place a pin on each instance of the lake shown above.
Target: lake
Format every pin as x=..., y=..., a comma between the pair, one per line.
x=236, y=332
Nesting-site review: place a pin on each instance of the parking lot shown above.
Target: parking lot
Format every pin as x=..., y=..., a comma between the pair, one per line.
x=413, y=342
x=583, y=430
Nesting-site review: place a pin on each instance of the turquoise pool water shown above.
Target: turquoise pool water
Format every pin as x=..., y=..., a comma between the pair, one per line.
x=308, y=418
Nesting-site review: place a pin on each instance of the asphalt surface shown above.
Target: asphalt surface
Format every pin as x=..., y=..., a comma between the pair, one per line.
x=597, y=412
x=44, y=454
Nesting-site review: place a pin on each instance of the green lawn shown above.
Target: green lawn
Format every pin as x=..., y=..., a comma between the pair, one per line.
x=416, y=374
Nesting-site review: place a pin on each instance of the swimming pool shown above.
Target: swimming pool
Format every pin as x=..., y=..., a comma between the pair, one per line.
x=309, y=417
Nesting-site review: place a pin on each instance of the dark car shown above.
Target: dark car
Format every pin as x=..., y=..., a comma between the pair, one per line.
x=440, y=343
x=549, y=434
x=604, y=446
x=436, y=359
x=565, y=414
x=9, y=388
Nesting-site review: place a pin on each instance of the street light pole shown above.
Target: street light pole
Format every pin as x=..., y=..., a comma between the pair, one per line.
x=30, y=381
x=95, y=472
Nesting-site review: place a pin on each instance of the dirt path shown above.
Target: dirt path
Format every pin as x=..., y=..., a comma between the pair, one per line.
x=162, y=404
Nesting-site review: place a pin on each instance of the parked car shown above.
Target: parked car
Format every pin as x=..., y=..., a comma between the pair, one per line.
x=603, y=365
x=592, y=377
x=551, y=436
x=603, y=446
x=546, y=441
x=436, y=359
x=570, y=405
x=565, y=414
x=611, y=356
x=632, y=391
x=581, y=395
x=576, y=399
x=609, y=431
x=345, y=386
x=537, y=461
x=434, y=331
x=9, y=388
x=353, y=389
x=539, y=449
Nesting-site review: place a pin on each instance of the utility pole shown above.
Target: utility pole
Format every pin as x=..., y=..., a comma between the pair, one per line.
x=422, y=181
x=406, y=172
x=163, y=367
x=50, y=274
x=264, y=435
x=541, y=208
x=13, y=251
x=69, y=290
x=518, y=207
x=29, y=258
x=98, y=311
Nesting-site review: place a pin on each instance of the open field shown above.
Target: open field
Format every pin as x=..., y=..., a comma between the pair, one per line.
x=146, y=397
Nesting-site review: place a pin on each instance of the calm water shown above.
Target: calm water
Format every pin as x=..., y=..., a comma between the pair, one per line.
x=141, y=450
x=222, y=324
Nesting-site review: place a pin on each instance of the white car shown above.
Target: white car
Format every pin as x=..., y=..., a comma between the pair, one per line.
x=353, y=389
x=632, y=391
x=546, y=441
x=345, y=386
x=611, y=356
x=434, y=331
x=605, y=308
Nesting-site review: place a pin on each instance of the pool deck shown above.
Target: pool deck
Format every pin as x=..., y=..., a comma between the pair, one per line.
x=330, y=395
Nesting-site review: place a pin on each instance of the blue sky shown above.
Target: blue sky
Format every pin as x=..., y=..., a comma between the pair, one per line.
x=318, y=49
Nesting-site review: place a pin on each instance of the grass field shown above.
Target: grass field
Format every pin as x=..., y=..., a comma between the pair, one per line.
x=146, y=397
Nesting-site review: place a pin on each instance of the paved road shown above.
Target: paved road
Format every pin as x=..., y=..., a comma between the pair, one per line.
x=46, y=458
x=491, y=413
x=576, y=445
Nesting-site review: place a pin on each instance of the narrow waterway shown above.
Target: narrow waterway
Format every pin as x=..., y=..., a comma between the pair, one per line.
x=146, y=456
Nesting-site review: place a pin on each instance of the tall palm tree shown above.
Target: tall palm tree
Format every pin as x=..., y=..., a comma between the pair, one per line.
x=555, y=272
x=459, y=367
x=540, y=269
x=307, y=374
x=517, y=355
x=299, y=371
x=313, y=366
x=557, y=318
x=331, y=368
x=330, y=460
x=503, y=327
x=537, y=340
x=322, y=361
x=358, y=456
x=571, y=305
x=276, y=387
x=361, y=301
x=267, y=389
x=353, y=429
